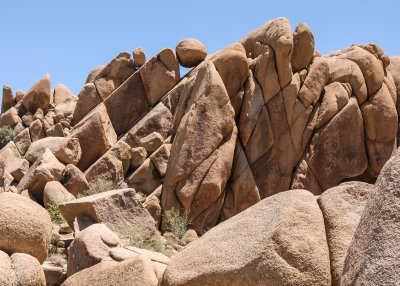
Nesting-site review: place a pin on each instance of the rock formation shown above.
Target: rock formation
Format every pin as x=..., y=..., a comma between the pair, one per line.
x=270, y=148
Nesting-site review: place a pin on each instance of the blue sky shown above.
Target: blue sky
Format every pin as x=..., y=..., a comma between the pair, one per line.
x=69, y=38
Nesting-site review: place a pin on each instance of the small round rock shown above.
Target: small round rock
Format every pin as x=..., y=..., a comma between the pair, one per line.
x=139, y=57
x=191, y=52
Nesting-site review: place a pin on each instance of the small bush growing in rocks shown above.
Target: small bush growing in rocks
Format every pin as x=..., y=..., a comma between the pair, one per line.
x=6, y=135
x=145, y=240
x=54, y=244
x=177, y=221
x=55, y=213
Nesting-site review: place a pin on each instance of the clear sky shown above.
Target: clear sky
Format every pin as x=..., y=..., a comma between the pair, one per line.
x=69, y=38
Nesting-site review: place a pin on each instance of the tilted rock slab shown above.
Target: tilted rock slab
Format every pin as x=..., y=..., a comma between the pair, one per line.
x=25, y=226
x=95, y=134
x=116, y=209
x=279, y=241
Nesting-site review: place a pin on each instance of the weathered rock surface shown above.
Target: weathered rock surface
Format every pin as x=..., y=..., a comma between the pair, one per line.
x=66, y=150
x=23, y=141
x=88, y=98
x=95, y=134
x=116, y=209
x=374, y=254
x=342, y=207
x=290, y=250
x=24, y=226
x=20, y=269
x=8, y=99
x=74, y=180
x=47, y=168
x=10, y=117
x=137, y=271
x=55, y=193
x=165, y=68
x=90, y=246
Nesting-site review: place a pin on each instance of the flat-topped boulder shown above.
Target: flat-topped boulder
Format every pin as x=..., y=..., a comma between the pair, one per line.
x=116, y=209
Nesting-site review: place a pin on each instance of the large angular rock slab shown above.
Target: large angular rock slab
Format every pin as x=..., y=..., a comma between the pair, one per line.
x=95, y=134
x=291, y=249
x=38, y=96
x=116, y=209
x=66, y=150
x=88, y=98
x=374, y=254
x=24, y=226
x=127, y=103
x=160, y=74
x=342, y=207
x=112, y=166
x=47, y=168
x=158, y=119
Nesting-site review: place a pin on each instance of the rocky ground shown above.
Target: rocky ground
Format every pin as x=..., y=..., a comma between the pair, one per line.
x=266, y=164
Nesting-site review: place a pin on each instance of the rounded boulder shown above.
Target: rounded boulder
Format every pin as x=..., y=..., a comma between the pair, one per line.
x=25, y=226
x=191, y=52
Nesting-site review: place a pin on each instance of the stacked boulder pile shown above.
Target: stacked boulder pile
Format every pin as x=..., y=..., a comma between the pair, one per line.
x=284, y=159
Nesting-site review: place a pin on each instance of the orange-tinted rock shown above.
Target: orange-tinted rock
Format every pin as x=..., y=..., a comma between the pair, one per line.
x=303, y=47
x=190, y=52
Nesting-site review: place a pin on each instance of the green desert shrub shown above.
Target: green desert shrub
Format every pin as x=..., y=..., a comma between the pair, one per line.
x=55, y=213
x=145, y=240
x=54, y=244
x=6, y=135
x=178, y=221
